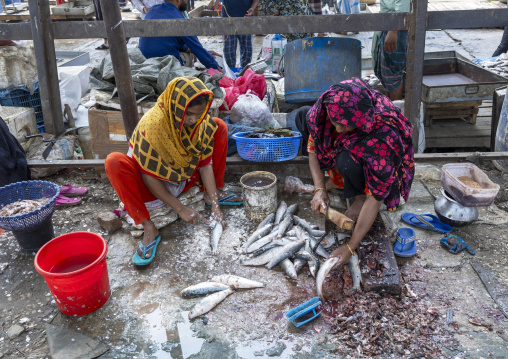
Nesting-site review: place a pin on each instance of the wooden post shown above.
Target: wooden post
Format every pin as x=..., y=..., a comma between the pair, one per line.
x=44, y=46
x=120, y=59
x=414, y=70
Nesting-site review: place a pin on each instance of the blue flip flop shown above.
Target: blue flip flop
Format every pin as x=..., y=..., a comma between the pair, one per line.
x=426, y=221
x=405, y=246
x=137, y=260
x=226, y=200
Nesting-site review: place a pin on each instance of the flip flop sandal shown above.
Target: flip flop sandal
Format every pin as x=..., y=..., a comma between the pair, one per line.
x=226, y=200
x=71, y=191
x=405, y=246
x=102, y=47
x=62, y=201
x=137, y=260
x=426, y=221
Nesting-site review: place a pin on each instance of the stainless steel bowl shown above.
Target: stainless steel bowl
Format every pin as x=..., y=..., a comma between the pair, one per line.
x=453, y=213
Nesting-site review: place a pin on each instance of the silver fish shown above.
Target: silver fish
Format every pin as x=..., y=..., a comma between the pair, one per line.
x=319, y=250
x=284, y=226
x=291, y=232
x=311, y=259
x=299, y=264
x=282, y=241
x=258, y=234
x=237, y=282
x=328, y=241
x=285, y=252
x=204, y=288
x=209, y=302
x=290, y=210
x=216, y=234
x=268, y=219
x=303, y=223
x=260, y=243
x=323, y=273
x=262, y=259
x=315, y=264
x=264, y=249
x=287, y=266
x=317, y=233
x=280, y=212
x=353, y=267
x=275, y=228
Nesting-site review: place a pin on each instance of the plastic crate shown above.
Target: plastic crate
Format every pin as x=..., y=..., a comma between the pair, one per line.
x=20, y=97
x=267, y=149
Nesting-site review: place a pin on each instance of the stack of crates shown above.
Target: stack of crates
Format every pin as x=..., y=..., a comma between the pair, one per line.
x=21, y=97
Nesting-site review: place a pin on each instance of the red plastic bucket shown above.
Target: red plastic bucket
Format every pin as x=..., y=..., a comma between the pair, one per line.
x=75, y=270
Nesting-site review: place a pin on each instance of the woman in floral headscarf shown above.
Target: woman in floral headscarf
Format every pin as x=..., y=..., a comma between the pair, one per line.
x=365, y=143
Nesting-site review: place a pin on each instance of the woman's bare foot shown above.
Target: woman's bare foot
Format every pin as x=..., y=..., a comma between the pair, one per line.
x=354, y=211
x=150, y=233
x=223, y=194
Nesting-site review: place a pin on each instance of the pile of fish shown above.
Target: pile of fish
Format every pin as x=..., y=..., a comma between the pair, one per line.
x=216, y=290
x=283, y=239
x=497, y=65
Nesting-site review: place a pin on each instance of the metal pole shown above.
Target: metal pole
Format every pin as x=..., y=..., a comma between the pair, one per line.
x=120, y=59
x=44, y=45
x=414, y=70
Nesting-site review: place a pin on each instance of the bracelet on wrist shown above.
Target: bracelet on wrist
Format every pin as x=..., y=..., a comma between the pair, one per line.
x=319, y=189
x=352, y=253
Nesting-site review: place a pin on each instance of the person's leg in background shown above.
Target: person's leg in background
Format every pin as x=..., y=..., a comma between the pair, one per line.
x=503, y=46
x=298, y=119
x=245, y=49
x=229, y=50
x=354, y=182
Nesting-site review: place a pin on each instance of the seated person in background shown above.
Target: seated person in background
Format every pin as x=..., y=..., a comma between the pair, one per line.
x=144, y=5
x=178, y=46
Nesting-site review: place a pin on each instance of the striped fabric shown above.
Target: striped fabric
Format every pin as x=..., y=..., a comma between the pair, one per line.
x=315, y=6
x=349, y=6
x=390, y=68
x=230, y=43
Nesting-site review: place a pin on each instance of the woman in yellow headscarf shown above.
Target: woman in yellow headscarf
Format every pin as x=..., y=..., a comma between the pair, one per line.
x=173, y=146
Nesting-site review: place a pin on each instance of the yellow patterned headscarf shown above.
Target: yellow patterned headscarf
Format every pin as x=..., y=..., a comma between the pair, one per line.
x=162, y=145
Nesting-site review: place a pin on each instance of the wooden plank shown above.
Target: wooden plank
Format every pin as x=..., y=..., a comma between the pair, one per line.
x=451, y=133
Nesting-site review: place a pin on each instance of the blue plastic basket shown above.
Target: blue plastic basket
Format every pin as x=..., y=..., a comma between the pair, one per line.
x=20, y=97
x=267, y=149
x=28, y=190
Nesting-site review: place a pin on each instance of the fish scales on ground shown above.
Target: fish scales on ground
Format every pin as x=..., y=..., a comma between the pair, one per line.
x=263, y=258
x=201, y=289
x=237, y=282
x=260, y=243
x=280, y=212
x=287, y=266
x=258, y=234
x=268, y=219
x=323, y=273
x=285, y=252
x=284, y=226
x=291, y=210
x=353, y=267
x=216, y=234
x=209, y=302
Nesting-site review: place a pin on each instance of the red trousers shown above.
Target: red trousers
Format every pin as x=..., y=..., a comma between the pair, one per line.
x=125, y=173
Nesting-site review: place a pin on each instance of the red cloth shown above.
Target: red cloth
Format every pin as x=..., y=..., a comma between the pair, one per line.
x=125, y=173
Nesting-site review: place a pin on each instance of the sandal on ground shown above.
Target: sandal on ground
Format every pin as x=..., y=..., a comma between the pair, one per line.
x=137, y=260
x=455, y=244
x=426, y=221
x=71, y=191
x=62, y=201
x=226, y=200
x=102, y=47
x=405, y=246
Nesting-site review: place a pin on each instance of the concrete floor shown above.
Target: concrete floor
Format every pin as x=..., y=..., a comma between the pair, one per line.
x=146, y=318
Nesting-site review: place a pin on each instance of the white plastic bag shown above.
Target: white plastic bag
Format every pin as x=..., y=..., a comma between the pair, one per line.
x=273, y=50
x=249, y=110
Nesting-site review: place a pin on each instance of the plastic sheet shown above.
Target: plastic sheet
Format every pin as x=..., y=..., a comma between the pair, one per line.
x=249, y=110
x=295, y=185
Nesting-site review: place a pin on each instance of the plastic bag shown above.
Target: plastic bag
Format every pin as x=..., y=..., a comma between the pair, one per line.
x=70, y=92
x=240, y=86
x=273, y=50
x=295, y=185
x=249, y=110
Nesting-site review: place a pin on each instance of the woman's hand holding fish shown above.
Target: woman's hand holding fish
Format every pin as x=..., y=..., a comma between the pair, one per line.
x=218, y=216
x=319, y=200
x=343, y=253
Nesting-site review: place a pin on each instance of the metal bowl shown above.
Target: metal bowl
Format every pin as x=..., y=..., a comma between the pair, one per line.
x=453, y=213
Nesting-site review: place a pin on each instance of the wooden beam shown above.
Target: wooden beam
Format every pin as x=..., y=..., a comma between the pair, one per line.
x=414, y=67
x=299, y=160
x=44, y=46
x=436, y=20
x=121, y=66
